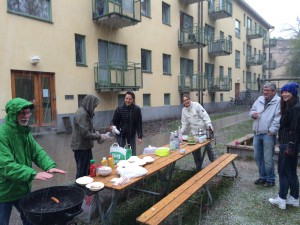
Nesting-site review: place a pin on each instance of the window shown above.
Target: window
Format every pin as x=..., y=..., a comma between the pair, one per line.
x=209, y=32
x=221, y=71
x=166, y=64
x=229, y=72
x=121, y=98
x=146, y=60
x=146, y=100
x=221, y=97
x=145, y=7
x=39, y=9
x=80, y=49
x=237, y=59
x=166, y=14
x=186, y=67
x=237, y=29
x=167, y=99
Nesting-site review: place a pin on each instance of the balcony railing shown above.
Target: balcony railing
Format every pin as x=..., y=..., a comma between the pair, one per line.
x=187, y=2
x=255, y=60
x=220, y=11
x=270, y=43
x=193, y=37
x=219, y=84
x=117, y=13
x=255, y=32
x=118, y=76
x=252, y=86
x=270, y=65
x=191, y=82
x=220, y=47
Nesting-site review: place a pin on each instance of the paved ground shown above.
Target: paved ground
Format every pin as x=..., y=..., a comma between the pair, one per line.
x=58, y=147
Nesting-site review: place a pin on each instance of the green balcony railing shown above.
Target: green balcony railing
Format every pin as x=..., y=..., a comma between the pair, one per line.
x=255, y=60
x=220, y=10
x=220, y=47
x=270, y=43
x=270, y=65
x=255, y=32
x=252, y=86
x=219, y=84
x=192, y=37
x=117, y=13
x=191, y=82
x=118, y=76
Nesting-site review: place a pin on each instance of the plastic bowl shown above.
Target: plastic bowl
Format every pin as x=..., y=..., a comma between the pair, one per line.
x=104, y=170
x=84, y=180
x=162, y=151
x=95, y=186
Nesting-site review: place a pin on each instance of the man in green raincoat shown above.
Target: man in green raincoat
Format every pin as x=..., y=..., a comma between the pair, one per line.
x=18, y=150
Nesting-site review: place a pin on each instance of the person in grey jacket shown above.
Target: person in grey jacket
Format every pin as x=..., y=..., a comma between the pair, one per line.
x=84, y=135
x=265, y=113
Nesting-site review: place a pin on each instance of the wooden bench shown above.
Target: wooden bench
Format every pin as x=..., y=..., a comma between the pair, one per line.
x=161, y=210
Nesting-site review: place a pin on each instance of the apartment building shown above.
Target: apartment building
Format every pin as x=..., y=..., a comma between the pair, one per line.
x=55, y=52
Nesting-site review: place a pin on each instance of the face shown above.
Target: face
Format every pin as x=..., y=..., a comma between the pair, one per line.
x=23, y=117
x=128, y=100
x=186, y=101
x=268, y=93
x=286, y=96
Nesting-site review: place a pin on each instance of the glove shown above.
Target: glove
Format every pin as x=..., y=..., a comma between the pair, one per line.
x=290, y=150
x=115, y=130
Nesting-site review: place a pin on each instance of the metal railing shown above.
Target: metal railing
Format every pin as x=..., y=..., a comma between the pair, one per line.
x=222, y=46
x=192, y=36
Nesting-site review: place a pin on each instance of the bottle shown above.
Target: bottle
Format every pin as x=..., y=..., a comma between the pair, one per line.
x=172, y=144
x=176, y=142
x=92, y=168
x=104, y=162
x=111, y=161
x=179, y=134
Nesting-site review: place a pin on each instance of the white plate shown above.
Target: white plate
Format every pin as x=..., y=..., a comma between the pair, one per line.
x=148, y=159
x=140, y=162
x=122, y=163
x=95, y=186
x=84, y=180
x=185, y=137
x=133, y=159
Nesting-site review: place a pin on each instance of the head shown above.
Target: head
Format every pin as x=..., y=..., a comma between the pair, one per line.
x=289, y=91
x=89, y=103
x=129, y=98
x=186, y=100
x=18, y=111
x=269, y=90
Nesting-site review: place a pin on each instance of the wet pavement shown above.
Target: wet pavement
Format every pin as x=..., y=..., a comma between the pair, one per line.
x=58, y=147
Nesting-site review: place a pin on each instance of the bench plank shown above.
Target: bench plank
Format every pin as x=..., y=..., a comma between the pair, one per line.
x=161, y=210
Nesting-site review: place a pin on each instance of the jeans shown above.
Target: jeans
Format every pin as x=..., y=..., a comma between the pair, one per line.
x=287, y=171
x=122, y=141
x=83, y=158
x=210, y=153
x=5, y=211
x=264, y=147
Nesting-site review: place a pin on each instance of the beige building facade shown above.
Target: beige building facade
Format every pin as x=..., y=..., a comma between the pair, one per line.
x=55, y=52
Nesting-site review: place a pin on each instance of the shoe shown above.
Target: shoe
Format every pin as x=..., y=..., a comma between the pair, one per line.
x=269, y=184
x=260, y=181
x=292, y=201
x=281, y=203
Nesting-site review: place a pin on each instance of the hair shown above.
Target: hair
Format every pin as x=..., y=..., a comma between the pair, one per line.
x=285, y=105
x=270, y=85
x=185, y=96
x=130, y=93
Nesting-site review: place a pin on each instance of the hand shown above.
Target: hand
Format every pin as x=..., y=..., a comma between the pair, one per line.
x=43, y=176
x=139, y=141
x=255, y=115
x=290, y=150
x=211, y=127
x=55, y=170
x=106, y=136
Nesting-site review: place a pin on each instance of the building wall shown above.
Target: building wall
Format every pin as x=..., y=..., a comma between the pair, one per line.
x=22, y=37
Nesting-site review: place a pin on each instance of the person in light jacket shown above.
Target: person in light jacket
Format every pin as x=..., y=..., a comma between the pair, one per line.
x=195, y=116
x=18, y=150
x=265, y=113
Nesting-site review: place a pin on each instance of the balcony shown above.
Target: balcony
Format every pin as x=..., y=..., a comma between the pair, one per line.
x=187, y=2
x=118, y=76
x=255, y=60
x=270, y=43
x=218, y=84
x=269, y=65
x=194, y=37
x=220, y=47
x=220, y=11
x=255, y=32
x=117, y=13
x=252, y=86
x=191, y=82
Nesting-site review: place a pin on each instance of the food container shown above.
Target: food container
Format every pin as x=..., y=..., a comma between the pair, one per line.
x=104, y=170
x=162, y=151
x=84, y=180
x=149, y=150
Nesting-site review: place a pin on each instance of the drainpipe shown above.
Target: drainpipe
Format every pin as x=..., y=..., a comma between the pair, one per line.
x=200, y=53
x=269, y=71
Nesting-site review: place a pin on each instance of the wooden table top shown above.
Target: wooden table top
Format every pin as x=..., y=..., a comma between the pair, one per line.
x=158, y=164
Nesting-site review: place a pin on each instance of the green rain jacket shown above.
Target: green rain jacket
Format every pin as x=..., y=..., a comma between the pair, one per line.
x=18, y=150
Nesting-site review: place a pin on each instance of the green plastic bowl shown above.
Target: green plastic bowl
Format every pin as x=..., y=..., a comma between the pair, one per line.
x=162, y=151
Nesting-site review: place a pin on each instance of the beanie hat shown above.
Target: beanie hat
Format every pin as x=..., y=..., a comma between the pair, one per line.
x=291, y=87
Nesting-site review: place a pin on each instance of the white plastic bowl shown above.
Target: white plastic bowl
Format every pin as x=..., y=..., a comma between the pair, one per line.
x=104, y=170
x=84, y=180
x=95, y=186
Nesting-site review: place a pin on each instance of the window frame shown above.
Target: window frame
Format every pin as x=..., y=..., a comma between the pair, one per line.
x=146, y=100
x=237, y=59
x=167, y=99
x=237, y=26
x=168, y=58
x=83, y=50
x=148, y=59
x=146, y=8
x=166, y=19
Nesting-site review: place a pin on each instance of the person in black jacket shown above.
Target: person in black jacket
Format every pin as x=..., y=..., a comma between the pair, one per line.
x=127, y=119
x=289, y=146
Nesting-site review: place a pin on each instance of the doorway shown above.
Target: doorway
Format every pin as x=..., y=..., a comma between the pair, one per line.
x=38, y=88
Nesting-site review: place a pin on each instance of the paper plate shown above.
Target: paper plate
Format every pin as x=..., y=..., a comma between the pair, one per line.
x=95, y=186
x=84, y=180
x=148, y=159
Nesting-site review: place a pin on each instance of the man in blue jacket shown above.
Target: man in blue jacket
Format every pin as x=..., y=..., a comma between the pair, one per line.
x=18, y=150
x=265, y=113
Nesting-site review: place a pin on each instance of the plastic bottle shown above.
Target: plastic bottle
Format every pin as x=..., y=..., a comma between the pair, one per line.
x=176, y=142
x=92, y=168
x=179, y=134
x=111, y=161
x=172, y=144
x=104, y=162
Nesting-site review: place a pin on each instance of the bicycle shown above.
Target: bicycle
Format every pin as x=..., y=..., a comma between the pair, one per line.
x=235, y=101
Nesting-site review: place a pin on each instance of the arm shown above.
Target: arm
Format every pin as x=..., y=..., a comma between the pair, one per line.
x=139, y=124
x=85, y=129
x=204, y=115
x=184, y=122
x=274, y=127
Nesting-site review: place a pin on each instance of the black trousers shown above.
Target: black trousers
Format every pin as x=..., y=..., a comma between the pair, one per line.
x=83, y=158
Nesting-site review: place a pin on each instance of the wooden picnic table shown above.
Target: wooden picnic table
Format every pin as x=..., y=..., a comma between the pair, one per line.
x=152, y=168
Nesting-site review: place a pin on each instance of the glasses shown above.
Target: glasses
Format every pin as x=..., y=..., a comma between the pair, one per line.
x=185, y=100
x=25, y=112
